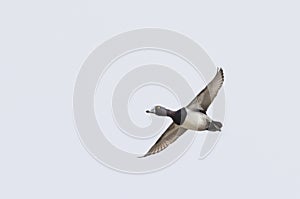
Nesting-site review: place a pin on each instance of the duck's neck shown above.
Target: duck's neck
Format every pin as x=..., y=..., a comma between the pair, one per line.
x=177, y=116
x=170, y=113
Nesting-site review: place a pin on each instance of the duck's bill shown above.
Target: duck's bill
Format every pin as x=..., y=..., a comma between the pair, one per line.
x=150, y=111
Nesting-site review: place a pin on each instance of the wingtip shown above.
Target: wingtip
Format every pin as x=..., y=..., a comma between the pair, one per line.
x=143, y=156
x=220, y=69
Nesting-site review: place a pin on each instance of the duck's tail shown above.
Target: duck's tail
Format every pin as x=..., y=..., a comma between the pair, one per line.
x=215, y=126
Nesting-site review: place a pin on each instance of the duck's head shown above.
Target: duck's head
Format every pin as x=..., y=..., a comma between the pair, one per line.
x=158, y=110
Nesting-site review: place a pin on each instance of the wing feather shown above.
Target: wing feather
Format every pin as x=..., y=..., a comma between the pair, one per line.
x=172, y=133
x=208, y=94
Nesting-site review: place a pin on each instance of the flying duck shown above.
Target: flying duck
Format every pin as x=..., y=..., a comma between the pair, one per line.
x=191, y=117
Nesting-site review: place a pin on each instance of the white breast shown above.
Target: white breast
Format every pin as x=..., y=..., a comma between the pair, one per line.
x=195, y=120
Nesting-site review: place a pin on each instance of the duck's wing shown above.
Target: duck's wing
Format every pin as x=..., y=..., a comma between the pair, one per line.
x=168, y=137
x=208, y=94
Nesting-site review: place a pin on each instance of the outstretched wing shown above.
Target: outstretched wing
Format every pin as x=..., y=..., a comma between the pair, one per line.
x=208, y=94
x=168, y=137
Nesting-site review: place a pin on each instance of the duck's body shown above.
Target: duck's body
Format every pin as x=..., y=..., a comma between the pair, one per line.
x=196, y=120
x=191, y=117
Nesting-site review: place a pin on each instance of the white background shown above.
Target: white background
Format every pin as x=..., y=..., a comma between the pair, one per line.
x=42, y=46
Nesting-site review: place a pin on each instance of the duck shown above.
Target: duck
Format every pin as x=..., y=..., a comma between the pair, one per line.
x=191, y=117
